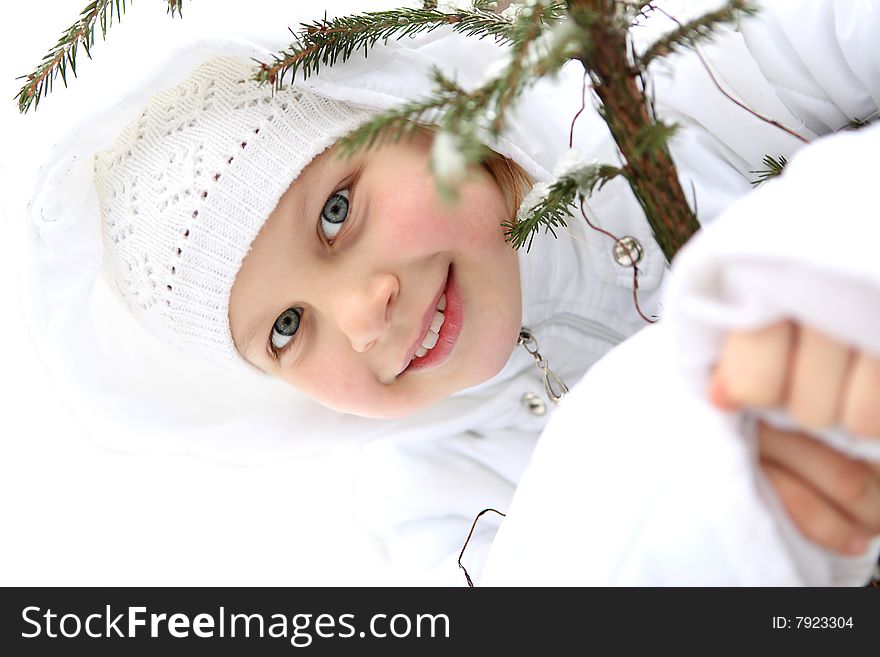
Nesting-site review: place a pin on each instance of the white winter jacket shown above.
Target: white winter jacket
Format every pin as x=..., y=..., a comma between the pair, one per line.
x=638, y=430
x=811, y=65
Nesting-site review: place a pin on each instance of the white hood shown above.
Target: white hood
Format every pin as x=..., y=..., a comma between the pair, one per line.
x=134, y=394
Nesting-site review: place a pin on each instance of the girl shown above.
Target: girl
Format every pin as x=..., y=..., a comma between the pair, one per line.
x=231, y=228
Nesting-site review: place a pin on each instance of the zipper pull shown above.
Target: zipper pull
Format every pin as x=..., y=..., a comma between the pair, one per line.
x=554, y=386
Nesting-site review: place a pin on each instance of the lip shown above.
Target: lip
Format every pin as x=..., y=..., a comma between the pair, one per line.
x=449, y=332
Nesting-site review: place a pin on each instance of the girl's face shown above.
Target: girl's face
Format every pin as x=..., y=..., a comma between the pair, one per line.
x=340, y=291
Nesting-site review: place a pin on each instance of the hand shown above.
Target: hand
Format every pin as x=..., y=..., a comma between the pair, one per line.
x=834, y=500
x=818, y=380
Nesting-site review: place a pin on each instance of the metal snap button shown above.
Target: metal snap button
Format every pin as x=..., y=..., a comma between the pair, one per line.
x=627, y=251
x=534, y=404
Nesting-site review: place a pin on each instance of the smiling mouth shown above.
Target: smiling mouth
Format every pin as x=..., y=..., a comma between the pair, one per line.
x=440, y=328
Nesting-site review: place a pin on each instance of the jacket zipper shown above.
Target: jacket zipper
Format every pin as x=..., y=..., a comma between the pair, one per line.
x=588, y=326
x=554, y=387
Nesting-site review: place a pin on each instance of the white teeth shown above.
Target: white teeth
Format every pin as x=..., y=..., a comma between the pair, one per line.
x=433, y=334
x=428, y=343
x=430, y=340
x=437, y=322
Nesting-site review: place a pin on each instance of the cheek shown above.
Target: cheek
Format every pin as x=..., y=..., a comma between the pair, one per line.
x=417, y=219
x=331, y=380
x=413, y=219
x=346, y=385
x=341, y=382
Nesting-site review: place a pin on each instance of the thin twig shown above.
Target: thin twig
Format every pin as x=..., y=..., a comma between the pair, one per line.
x=728, y=95
x=470, y=533
x=579, y=112
x=602, y=230
x=632, y=257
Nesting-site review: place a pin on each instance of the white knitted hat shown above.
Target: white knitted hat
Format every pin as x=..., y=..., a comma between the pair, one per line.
x=188, y=185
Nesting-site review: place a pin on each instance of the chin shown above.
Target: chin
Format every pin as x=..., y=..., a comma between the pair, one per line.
x=393, y=410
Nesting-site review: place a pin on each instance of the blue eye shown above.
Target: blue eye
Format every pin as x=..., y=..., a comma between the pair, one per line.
x=334, y=213
x=285, y=327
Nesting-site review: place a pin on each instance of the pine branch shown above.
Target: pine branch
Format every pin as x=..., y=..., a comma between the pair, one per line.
x=689, y=35
x=549, y=205
x=327, y=42
x=773, y=169
x=466, y=116
x=393, y=124
x=537, y=51
x=63, y=54
x=465, y=112
x=461, y=114
x=175, y=7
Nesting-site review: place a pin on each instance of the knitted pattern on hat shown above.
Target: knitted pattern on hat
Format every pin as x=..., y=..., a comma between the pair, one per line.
x=188, y=185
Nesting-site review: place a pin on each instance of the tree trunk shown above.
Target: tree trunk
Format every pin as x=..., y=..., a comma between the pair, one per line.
x=649, y=168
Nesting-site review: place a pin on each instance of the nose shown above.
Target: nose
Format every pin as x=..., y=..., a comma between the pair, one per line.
x=363, y=308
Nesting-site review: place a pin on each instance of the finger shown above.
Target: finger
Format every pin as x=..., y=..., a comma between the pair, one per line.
x=850, y=485
x=818, y=520
x=818, y=378
x=860, y=414
x=718, y=394
x=754, y=365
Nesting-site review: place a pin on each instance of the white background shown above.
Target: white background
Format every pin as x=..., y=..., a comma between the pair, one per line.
x=74, y=513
